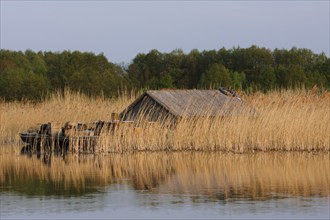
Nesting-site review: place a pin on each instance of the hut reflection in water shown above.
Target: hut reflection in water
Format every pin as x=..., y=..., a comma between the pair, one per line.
x=217, y=176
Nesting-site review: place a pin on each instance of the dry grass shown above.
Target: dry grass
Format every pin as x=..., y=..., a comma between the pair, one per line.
x=73, y=107
x=215, y=175
x=289, y=120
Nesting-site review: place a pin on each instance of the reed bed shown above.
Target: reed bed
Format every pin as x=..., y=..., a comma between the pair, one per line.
x=59, y=109
x=218, y=176
x=288, y=120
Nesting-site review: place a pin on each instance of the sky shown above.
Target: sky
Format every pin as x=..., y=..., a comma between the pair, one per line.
x=122, y=29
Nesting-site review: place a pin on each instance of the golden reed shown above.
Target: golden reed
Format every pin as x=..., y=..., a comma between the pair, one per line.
x=289, y=120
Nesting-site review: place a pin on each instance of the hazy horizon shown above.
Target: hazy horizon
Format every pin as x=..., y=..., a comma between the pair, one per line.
x=121, y=30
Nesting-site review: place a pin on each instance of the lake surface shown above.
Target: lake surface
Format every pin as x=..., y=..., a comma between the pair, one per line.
x=166, y=185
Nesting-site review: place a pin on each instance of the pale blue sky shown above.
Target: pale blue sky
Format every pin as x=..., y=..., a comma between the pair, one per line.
x=121, y=30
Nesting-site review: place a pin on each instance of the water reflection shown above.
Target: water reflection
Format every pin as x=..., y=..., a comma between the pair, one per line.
x=203, y=177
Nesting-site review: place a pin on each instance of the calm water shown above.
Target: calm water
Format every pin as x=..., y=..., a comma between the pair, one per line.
x=173, y=185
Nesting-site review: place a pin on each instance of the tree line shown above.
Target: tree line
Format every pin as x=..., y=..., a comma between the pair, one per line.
x=34, y=75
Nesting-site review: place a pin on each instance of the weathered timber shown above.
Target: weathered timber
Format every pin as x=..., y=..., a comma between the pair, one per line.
x=174, y=104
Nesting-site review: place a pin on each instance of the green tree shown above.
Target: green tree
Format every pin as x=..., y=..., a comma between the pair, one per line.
x=217, y=75
x=192, y=72
x=37, y=62
x=11, y=81
x=164, y=82
x=267, y=78
x=238, y=80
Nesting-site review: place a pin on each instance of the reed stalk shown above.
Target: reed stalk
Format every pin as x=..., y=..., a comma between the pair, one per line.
x=288, y=120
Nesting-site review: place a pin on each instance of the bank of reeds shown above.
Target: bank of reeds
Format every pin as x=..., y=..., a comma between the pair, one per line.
x=218, y=176
x=60, y=108
x=288, y=120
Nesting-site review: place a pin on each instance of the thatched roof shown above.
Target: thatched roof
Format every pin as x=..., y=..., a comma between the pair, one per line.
x=188, y=103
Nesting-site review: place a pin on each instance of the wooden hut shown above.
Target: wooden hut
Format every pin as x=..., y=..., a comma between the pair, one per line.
x=175, y=104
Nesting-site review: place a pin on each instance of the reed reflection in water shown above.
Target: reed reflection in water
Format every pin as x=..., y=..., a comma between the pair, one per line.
x=210, y=176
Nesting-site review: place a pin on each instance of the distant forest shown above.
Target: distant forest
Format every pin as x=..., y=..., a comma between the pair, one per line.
x=34, y=75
